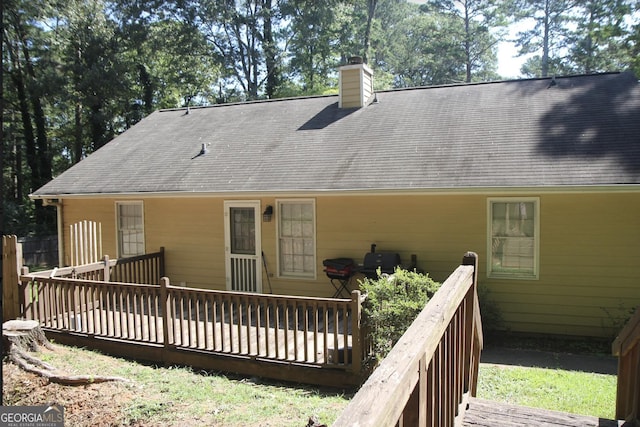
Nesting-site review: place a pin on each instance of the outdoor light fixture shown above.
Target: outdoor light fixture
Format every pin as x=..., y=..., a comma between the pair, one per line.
x=268, y=212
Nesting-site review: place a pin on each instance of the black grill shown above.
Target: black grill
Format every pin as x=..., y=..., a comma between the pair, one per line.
x=385, y=261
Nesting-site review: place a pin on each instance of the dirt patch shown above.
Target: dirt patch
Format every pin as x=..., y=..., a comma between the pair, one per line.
x=88, y=405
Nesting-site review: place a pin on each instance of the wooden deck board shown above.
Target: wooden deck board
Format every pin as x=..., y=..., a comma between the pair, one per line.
x=485, y=413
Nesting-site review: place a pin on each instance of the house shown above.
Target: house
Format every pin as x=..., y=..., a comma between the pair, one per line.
x=540, y=177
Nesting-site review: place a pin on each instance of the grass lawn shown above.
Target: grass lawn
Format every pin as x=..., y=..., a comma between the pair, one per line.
x=567, y=391
x=166, y=396
x=183, y=397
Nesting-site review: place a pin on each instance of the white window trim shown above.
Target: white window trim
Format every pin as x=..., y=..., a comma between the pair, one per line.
x=536, y=239
x=117, y=212
x=307, y=276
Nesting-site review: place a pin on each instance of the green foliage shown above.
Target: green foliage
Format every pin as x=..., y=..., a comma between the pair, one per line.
x=392, y=303
x=616, y=318
x=79, y=72
x=492, y=320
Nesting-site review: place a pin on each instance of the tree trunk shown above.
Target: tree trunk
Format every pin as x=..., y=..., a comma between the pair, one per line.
x=467, y=43
x=269, y=50
x=545, y=39
x=77, y=142
x=147, y=89
x=27, y=127
x=25, y=334
x=366, y=44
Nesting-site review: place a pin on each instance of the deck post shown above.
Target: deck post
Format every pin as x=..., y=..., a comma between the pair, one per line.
x=26, y=297
x=161, y=266
x=626, y=347
x=471, y=352
x=164, y=298
x=356, y=335
x=471, y=258
x=11, y=267
x=107, y=269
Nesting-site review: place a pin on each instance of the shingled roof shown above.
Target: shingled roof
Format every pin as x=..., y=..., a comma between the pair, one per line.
x=567, y=131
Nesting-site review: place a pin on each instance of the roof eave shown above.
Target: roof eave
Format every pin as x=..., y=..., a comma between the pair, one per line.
x=566, y=189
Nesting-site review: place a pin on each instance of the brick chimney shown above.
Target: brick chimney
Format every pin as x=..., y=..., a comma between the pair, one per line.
x=356, y=84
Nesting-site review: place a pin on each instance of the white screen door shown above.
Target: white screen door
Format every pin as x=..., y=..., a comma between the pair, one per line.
x=242, y=246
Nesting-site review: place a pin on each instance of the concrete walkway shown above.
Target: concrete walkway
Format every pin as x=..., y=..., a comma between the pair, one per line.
x=600, y=364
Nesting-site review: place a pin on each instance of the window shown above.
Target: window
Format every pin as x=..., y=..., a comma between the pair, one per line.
x=296, y=238
x=513, y=238
x=243, y=231
x=130, y=229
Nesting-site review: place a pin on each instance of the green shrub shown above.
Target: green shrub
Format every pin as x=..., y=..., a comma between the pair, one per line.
x=392, y=303
x=617, y=318
x=492, y=320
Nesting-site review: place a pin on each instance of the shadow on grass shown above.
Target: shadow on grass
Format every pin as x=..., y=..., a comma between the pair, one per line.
x=552, y=352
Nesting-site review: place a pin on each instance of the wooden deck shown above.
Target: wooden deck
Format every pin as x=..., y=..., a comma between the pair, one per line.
x=256, y=335
x=485, y=413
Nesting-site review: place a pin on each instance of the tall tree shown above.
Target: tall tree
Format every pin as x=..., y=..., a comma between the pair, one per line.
x=236, y=32
x=269, y=42
x=182, y=72
x=633, y=47
x=598, y=41
x=93, y=63
x=24, y=40
x=425, y=53
x=483, y=26
x=312, y=36
x=550, y=34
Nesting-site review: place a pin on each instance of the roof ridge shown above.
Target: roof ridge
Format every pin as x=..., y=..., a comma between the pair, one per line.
x=493, y=82
x=254, y=101
x=448, y=85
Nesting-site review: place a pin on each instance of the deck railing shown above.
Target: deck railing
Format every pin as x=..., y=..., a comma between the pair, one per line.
x=311, y=332
x=432, y=370
x=627, y=348
x=286, y=328
x=147, y=268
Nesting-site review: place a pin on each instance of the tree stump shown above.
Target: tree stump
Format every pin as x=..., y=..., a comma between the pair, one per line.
x=23, y=336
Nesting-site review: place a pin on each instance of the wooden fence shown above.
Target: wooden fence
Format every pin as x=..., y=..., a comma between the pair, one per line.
x=429, y=374
x=40, y=251
x=11, y=266
x=85, y=242
x=627, y=348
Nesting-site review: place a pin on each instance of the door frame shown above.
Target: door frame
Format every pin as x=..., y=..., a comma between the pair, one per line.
x=257, y=257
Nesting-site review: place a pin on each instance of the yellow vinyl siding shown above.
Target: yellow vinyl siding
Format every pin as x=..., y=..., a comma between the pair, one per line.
x=588, y=275
x=98, y=210
x=192, y=233
x=356, y=87
x=428, y=227
x=351, y=88
x=588, y=270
